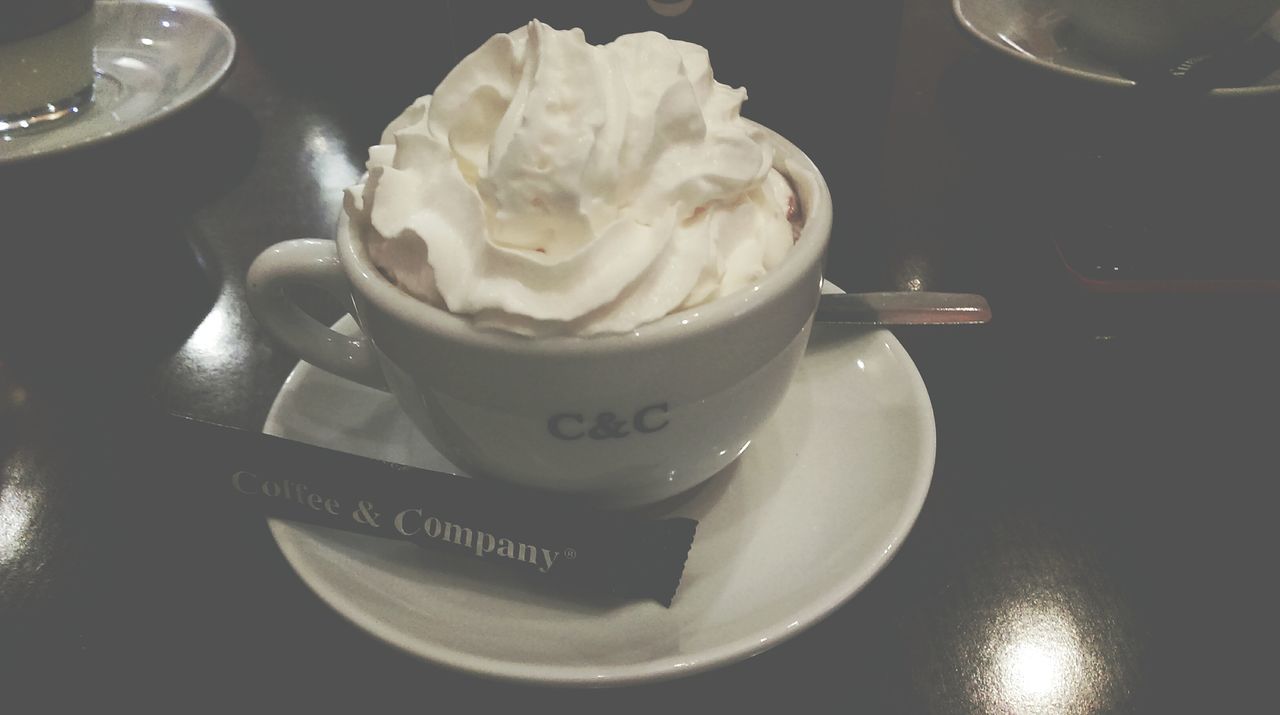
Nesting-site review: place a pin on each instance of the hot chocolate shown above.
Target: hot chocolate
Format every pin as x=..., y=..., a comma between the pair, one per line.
x=553, y=187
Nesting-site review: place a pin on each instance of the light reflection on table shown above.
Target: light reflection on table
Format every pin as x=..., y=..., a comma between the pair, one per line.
x=1038, y=661
x=17, y=511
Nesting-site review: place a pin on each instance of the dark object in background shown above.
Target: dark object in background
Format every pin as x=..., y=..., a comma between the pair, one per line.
x=1153, y=209
x=28, y=19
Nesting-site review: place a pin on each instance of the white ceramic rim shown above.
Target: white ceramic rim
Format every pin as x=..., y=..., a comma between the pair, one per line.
x=658, y=669
x=958, y=6
x=803, y=256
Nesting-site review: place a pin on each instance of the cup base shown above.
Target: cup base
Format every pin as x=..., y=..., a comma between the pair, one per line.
x=49, y=114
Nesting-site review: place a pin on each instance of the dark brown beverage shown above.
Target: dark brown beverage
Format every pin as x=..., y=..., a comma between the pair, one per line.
x=46, y=60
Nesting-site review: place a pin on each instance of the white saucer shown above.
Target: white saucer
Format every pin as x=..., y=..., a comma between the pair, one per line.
x=152, y=60
x=1037, y=32
x=812, y=511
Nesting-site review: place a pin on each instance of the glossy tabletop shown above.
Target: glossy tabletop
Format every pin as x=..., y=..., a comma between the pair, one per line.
x=1100, y=523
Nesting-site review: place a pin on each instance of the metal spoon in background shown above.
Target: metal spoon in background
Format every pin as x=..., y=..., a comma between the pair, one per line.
x=903, y=308
x=1236, y=65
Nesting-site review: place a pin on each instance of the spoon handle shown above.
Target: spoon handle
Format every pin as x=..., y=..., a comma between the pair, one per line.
x=1237, y=65
x=903, y=308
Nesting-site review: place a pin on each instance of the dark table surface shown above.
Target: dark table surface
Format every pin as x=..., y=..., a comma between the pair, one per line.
x=1098, y=531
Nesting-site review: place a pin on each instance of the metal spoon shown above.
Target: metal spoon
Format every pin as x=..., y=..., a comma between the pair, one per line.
x=903, y=308
x=1237, y=65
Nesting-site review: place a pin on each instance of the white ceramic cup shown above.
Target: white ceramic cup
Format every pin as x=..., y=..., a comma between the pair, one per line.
x=1165, y=31
x=622, y=420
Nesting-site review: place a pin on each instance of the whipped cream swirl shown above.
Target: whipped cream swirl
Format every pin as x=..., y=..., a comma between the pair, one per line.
x=554, y=187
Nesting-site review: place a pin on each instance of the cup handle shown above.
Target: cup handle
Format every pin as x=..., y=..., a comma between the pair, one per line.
x=310, y=261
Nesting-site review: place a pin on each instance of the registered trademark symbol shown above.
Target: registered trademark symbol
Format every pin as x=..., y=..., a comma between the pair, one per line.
x=570, y=554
